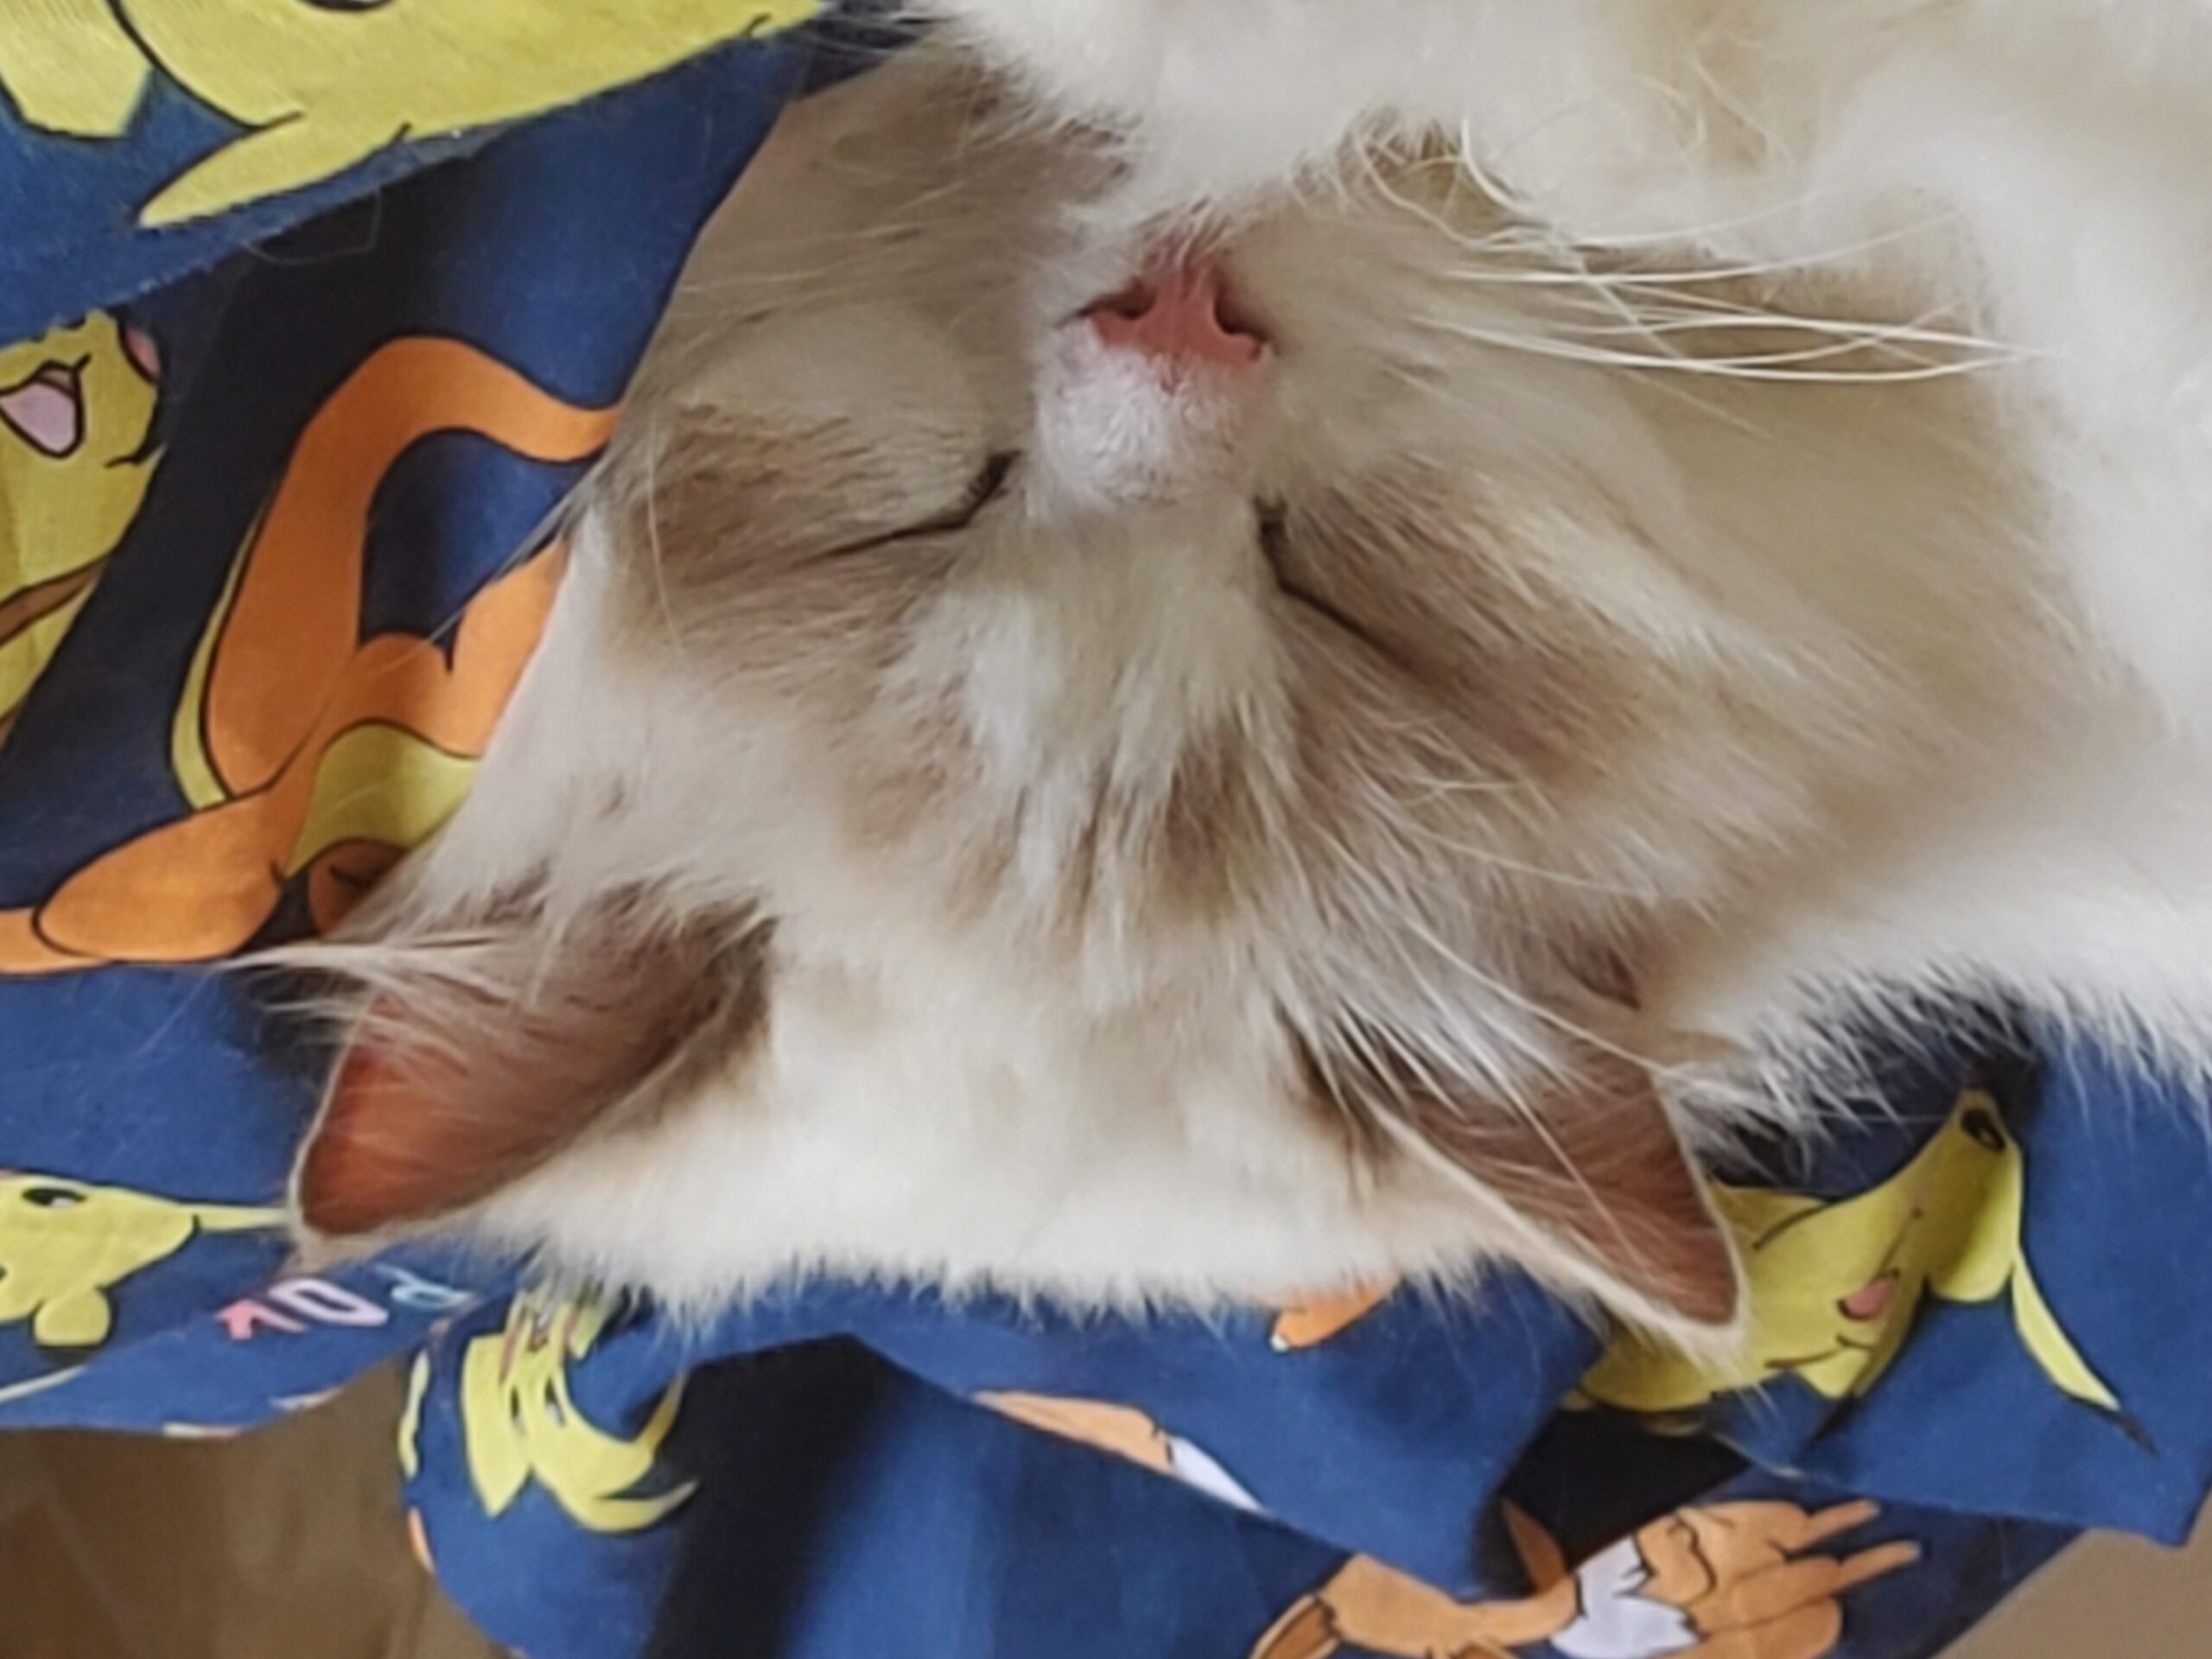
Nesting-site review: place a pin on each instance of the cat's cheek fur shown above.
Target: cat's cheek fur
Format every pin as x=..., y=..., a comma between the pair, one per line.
x=689, y=1101
x=1783, y=686
x=2034, y=171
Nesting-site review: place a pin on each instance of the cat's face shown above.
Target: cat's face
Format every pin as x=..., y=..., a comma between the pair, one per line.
x=1151, y=587
x=1263, y=641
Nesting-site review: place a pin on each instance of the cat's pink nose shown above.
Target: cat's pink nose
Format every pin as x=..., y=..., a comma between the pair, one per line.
x=1181, y=314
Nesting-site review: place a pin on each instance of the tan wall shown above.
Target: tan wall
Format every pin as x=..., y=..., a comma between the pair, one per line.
x=2107, y=1599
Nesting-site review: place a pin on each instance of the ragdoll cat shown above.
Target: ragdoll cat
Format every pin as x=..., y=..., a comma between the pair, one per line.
x=1234, y=654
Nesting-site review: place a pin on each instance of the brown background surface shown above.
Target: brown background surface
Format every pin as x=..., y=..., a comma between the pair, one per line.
x=2107, y=1599
x=286, y=1543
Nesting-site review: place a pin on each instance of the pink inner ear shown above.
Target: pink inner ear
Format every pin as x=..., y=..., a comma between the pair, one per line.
x=1615, y=1181
x=409, y=1136
x=1596, y=1164
x=449, y=1091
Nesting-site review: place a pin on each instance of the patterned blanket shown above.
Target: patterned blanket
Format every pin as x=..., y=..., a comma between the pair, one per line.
x=314, y=319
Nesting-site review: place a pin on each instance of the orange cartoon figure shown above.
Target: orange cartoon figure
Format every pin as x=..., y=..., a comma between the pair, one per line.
x=1752, y=1580
x=1128, y=1432
x=301, y=749
x=1319, y=1320
x=1735, y=1581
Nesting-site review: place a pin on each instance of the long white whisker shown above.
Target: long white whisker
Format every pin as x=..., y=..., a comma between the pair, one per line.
x=1864, y=334
x=1537, y=346
x=1831, y=349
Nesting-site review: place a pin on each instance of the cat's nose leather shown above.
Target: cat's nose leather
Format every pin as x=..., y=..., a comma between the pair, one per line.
x=1180, y=314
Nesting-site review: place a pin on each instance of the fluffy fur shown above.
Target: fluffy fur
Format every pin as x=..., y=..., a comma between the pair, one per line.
x=1725, y=530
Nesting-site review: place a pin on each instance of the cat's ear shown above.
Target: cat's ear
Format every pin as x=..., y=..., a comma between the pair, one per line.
x=479, y=1054
x=1587, y=1167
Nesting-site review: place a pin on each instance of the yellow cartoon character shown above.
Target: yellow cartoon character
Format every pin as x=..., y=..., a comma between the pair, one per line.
x=1833, y=1286
x=519, y=1421
x=1735, y=1581
x=76, y=410
x=324, y=84
x=410, y=1440
x=64, y=1244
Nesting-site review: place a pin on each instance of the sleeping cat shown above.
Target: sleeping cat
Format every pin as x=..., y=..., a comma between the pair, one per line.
x=1237, y=648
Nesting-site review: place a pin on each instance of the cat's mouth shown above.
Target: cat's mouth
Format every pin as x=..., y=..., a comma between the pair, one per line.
x=47, y=409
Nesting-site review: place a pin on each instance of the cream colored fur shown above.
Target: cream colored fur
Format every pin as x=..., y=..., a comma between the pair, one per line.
x=1786, y=522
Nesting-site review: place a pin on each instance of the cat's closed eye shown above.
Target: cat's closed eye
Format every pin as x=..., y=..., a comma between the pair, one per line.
x=1275, y=541
x=985, y=487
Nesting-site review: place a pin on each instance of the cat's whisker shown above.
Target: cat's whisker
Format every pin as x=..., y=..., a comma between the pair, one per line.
x=1839, y=256
x=1661, y=311
x=1861, y=334
x=1751, y=369
x=1445, y=788
x=1518, y=867
x=657, y=555
x=1830, y=349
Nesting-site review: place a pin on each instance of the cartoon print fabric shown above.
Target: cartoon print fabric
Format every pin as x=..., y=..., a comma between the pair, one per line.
x=318, y=89
x=76, y=413
x=307, y=322
x=1836, y=1285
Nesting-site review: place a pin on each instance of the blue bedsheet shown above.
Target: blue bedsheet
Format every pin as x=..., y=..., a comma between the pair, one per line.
x=314, y=324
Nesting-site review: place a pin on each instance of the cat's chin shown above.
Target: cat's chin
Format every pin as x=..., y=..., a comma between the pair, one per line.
x=1127, y=1281
x=1153, y=1177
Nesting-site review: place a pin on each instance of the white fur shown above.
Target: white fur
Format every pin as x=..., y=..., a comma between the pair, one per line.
x=2038, y=164
x=1931, y=659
